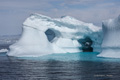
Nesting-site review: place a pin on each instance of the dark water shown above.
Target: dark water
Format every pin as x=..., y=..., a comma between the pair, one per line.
x=86, y=68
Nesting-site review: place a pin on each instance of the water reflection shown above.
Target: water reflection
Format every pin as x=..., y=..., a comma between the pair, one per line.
x=22, y=69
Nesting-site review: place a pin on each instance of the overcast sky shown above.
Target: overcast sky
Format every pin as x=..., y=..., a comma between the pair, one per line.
x=14, y=12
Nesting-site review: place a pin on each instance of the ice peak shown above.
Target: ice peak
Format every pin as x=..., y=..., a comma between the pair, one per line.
x=70, y=20
x=36, y=15
x=68, y=17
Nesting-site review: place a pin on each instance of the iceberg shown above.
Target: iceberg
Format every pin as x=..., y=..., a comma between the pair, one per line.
x=111, y=39
x=3, y=50
x=43, y=35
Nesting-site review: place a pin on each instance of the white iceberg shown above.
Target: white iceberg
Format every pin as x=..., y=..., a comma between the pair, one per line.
x=43, y=35
x=111, y=40
x=3, y=50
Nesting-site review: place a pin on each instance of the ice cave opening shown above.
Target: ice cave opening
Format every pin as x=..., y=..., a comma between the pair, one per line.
x=50, y=35
x=86, y=44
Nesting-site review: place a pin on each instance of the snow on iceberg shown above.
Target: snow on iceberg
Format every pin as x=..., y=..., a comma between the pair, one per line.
x=43, y=35
x=111, y=39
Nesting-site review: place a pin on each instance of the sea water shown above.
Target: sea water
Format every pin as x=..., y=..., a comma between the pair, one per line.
x=69, y=66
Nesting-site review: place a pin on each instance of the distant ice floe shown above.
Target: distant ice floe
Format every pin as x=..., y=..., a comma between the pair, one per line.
x=3, y=50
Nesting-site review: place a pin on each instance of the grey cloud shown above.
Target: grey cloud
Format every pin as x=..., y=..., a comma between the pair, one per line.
x=14, y=12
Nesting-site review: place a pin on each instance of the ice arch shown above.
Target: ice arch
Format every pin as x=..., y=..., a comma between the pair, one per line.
x=43, y=35
x=86, y=44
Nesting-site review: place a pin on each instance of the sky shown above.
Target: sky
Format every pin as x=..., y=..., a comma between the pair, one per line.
x=14, y=12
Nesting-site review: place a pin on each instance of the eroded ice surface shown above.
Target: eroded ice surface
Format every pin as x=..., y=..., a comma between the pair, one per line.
x=44, y=35
x=111, y=40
